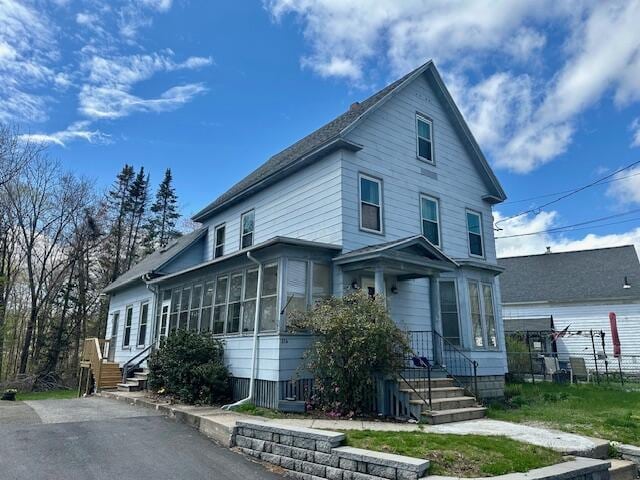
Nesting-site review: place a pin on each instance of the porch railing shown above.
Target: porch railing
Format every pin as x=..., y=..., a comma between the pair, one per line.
x=135, y=362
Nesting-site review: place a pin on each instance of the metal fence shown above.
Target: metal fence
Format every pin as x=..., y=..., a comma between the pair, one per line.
x=540, y=356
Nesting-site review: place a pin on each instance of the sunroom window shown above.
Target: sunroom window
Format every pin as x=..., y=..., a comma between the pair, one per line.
x=194, y=313
x=220, y=305
x=321, y=282
x=269, y=298
x=296, y=287
x=249, y=303
x=233, y=310
x=175, y=307
x=207, y=302
x=247, y=224
x=184, y=308
x=430, y=219
x=424, y=129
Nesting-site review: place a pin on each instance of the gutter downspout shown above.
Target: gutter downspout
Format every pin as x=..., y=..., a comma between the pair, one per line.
x=154, y=289
x=254, y=354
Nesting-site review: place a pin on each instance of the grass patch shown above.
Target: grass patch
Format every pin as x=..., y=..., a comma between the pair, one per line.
x=610, y=411
x=458, y=455
x=251, y=409
x=48, y=395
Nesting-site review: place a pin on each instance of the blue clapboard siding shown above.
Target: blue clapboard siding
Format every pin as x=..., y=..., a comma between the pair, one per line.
x=305, y=205
x=585, y=317
x=119, y=301
x=388, y=137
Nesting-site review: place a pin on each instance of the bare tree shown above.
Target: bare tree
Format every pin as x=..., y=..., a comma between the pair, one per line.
x=16, y=151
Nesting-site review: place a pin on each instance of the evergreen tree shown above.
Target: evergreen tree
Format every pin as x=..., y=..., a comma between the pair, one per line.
x=137, y=208
x=161, y=228
x=118, y=204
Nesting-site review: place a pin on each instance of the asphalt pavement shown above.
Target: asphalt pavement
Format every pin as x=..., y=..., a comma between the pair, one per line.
x=98, y=438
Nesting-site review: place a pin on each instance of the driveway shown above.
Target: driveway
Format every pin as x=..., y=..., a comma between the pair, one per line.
x=98, y=438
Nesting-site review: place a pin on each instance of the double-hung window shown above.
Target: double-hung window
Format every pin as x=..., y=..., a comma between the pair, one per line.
x=430, y=214
x=321, y=279
x=370, y=204
x=142, y=324
x=424, y=140
x=175, y=308
x=247, y=225
x=218, y=249
x=194, y=312
x=474, y=231
x=183, y=319
x=296, y=287
x=483, y=319
x=234, y=306
x=449, y=311
x=249, y=300
x=128, y=319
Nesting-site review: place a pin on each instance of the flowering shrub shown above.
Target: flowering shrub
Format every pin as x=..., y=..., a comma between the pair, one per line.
x=190, y=366
x=356, y=342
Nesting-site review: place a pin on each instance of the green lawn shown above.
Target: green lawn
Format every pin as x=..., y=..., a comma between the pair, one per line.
x=458, y=455
x=610, y=411
x=49, y=395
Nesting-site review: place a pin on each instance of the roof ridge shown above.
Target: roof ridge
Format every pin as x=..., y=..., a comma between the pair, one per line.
x=546, y=254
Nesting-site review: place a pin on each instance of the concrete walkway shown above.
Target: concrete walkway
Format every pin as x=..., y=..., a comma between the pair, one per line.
x=220, y=423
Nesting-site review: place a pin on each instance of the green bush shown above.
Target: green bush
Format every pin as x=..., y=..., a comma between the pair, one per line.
x=190, y=366
x=356, y=341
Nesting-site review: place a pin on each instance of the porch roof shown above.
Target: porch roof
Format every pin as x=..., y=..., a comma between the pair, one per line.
x=410, y=257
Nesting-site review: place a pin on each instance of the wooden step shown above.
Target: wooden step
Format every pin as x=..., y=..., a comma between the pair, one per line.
x=441, y=392
x=622, y=470
x=437, y=417
x=449, y=403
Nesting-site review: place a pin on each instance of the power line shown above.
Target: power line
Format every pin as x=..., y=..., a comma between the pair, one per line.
x=578, y=226
x=546, y=195
x=566, y=195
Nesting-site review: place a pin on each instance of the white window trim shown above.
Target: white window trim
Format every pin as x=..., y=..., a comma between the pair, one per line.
x=144, y=340
x=360, y=202
x=424, y=119
x=124, y=327
x=253, y=232
x=422, y=219
x=479, y=215
x=224, y=238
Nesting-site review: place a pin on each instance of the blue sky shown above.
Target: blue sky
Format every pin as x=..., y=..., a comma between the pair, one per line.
x=212, y=89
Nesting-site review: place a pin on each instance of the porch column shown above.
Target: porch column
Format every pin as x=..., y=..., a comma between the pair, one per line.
x=379, y=281
x=436, y=320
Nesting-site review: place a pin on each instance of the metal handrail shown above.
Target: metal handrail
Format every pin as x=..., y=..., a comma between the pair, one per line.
x=473, y=364
x=130, y=365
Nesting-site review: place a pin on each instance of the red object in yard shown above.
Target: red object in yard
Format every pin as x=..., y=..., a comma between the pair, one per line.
x=614, y=335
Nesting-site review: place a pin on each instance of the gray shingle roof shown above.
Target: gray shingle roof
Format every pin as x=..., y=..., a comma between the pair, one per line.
x=585, y=275
x=326, y=134
x=155, y=260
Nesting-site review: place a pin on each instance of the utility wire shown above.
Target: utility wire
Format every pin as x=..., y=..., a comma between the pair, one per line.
x=546, y=195
x=562, y=197
x=578, y=226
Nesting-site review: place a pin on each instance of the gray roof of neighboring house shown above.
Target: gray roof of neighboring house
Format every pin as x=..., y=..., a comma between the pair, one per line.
x=585, y=275
x=333, y=131
x=155, y=260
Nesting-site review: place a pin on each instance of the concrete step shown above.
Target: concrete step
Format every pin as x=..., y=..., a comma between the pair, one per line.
x=422, y=383
x=141, y=375
x=449, y=403
x=622, y=470
x=441, y=392
x=128, y=387
x=436, y=417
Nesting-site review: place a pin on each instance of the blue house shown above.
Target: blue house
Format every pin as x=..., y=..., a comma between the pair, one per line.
x=393, y=196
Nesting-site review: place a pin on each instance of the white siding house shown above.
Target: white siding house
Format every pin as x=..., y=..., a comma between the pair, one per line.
x=393, y=196
x=577, y=291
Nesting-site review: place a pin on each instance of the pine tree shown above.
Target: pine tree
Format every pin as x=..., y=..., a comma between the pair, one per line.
x=138, y=199
x=161, y=228
x=118, y=203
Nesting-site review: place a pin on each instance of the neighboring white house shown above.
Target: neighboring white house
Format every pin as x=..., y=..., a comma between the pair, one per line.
x=576, y=291
x=393, y=195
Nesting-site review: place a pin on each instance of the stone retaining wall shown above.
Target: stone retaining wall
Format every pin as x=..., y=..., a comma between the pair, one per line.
x=630, y=452
x=310, y=454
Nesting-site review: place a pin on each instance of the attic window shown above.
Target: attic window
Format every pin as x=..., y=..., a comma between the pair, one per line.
x=424, y=140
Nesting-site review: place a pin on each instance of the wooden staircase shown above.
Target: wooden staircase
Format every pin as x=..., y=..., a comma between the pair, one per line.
x=449, y=403
x=95, y=366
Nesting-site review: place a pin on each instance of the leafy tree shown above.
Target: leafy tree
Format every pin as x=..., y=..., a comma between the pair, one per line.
x=356, y=342
x=161, y=227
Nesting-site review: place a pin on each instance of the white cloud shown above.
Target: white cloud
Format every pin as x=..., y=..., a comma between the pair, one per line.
x=626, y=189
x=160, y=5
x=75, y=131
x=108, y=94
x=536, y=244
x=599, y=52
